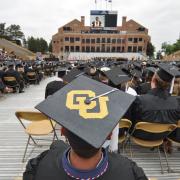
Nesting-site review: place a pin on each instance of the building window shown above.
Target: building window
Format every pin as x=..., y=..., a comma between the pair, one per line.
x=87, y=49
x=77, y=39
x=129, y=48
x=140, y=48
x=113, y=41
x=103, y=40
x=108, y=40
x=61, y=40
x=77, y=48
x=66, y=48
x=135, y=40
x=71, y=39
x=98, y=49
x=67, y=28
x=103, y=48
x=123, y=49
x=134, y=49
x=66, y=39
x=61, y=49
x=83, y=49
x=83, y=40
x=108, y=49
x=92, y=41
x=118, y=49
x=72, y=48
x=130, y=39
x=87, y=41
x=113, y=49
x=98, y=40
x=118, y=41
x=92, y=49
x=140, y=39
x=54, y=42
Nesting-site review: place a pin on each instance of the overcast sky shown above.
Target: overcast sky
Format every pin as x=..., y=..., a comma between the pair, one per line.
x=42, y=18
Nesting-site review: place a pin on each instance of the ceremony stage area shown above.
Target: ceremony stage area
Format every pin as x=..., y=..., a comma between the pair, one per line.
x=13, y=139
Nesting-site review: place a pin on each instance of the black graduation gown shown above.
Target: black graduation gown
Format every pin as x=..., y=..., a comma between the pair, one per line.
x=157, y=106
x=175, y=135
x=13, y=73
x=47, y=167
x=2, y=86
x=143, y=88
x=1, y=74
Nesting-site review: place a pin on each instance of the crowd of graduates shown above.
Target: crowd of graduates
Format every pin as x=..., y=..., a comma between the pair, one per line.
x=16, y=74
x=146, y=91
x=134, y=74
x=133, y=77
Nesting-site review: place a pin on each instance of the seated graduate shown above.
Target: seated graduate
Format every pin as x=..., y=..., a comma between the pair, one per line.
x=56, y=85
x=175, y=135
x=23, y=76
x=157, y=106
x=88, y=111
x=12, y=72
x=146, y=86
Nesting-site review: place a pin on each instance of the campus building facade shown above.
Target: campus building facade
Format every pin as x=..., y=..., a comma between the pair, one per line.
x=130, y=37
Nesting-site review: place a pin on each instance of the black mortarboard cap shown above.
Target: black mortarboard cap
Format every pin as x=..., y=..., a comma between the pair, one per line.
x=81, y=67
x=10, y=64
x=73, y=74
x=166, y=72
x=136, y=73
x=150, y=71
x=117, y=76
x=90, y=119
x=137, y=64
x=61, y=72
x=19, y=65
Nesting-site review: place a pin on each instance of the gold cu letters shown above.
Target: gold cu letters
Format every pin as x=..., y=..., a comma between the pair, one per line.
x=82, y=107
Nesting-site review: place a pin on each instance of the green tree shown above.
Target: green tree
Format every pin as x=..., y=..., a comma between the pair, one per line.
x=150, y=49
x=2, y=29
x=14, y=31
x=50, y=46
x=43, y=45
x=171, y=48
x=177, y=45
x=32, y=44
x=37, y=45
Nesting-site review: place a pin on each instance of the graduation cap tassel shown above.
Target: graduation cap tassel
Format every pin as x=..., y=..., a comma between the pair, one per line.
x=88, y=101
x=172, y=85
x=80, y=74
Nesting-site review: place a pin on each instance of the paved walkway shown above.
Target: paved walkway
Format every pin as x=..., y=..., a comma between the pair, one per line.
x=13, y=139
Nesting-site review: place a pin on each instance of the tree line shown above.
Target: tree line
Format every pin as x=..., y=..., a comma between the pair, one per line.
x=171, y=48
x=14, y=32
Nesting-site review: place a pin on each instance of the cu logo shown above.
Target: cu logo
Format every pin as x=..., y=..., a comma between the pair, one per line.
x=76, y=101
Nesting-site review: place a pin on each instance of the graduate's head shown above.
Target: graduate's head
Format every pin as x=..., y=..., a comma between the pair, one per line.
x=79, y=146
x=157, y=82
x=163, y=77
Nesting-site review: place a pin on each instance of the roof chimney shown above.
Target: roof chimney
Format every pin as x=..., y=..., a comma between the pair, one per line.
x=124, y=20
x=83, y=20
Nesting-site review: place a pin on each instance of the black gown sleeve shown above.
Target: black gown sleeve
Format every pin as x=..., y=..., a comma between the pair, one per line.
x=138, y=172
x=31, y=167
